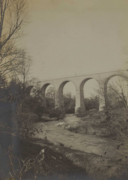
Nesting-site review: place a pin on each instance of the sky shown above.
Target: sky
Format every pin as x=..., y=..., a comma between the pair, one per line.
x=68, y=37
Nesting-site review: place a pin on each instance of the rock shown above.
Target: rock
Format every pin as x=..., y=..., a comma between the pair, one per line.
x=60, y=124
x=42, y=151
x=67, y=127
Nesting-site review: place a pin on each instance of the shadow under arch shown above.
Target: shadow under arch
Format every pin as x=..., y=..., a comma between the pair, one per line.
x=106, y=90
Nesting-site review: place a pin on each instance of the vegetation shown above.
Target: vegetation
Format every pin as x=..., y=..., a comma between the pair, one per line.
x=12, y=18
x=18, y=111
x=14, y=69
x=117, y=92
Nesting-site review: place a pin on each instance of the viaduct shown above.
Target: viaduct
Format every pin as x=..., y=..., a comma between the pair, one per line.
x=79, y=81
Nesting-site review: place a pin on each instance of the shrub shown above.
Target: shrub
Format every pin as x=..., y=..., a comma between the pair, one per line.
x=92, y=103
x=33, y=104
x=69, y=104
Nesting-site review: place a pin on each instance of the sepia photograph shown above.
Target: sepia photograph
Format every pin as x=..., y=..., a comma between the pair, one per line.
x=63, y=89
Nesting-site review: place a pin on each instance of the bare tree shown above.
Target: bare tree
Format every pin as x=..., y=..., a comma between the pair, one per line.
x=116, y=92
x=23, y=70
x=12, y=18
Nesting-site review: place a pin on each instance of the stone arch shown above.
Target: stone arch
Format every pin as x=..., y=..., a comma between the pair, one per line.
x=82, y=91
x=83, y=83
x=61, y=86
x=44, y=87
x=59, y=97
x=28, y=90
x=43, y=90
x=105, y=87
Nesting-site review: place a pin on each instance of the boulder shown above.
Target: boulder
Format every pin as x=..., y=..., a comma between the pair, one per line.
x=60, y=124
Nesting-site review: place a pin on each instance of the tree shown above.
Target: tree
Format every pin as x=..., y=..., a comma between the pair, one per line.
x=116, y=92
x=50, y=93
x=13, y=123
x=69, y=103
x=23, y=70
x=91, y=103
x=12, y=18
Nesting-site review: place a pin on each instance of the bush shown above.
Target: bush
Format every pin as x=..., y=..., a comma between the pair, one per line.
x=33, y=104
x=69, y=105
x=92, y=103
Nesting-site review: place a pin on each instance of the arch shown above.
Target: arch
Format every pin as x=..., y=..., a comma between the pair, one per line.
x=83, y=83
x=43, y=90
x=82, y=92
x=28, y=90
x=60, y=97
x=44, y=87
x=106, y=90
x=61, y=86
x=108, y=78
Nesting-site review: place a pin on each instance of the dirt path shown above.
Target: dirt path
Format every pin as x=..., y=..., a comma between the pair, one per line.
x=86, y=143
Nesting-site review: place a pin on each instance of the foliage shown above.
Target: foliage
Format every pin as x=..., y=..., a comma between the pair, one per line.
x=91, y=103
x=47, y=105
x=14, y=70
x=50, y=93
x=94, y=123
x=32, y=104
x=50, y=103
x=18, y=166
x=69, y=104
x=16, y=109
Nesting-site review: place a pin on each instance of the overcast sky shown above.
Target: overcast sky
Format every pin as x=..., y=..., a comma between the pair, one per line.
x=65, y=37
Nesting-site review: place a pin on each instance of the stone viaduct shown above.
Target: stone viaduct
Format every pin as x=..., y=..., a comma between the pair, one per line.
x=79, y=81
